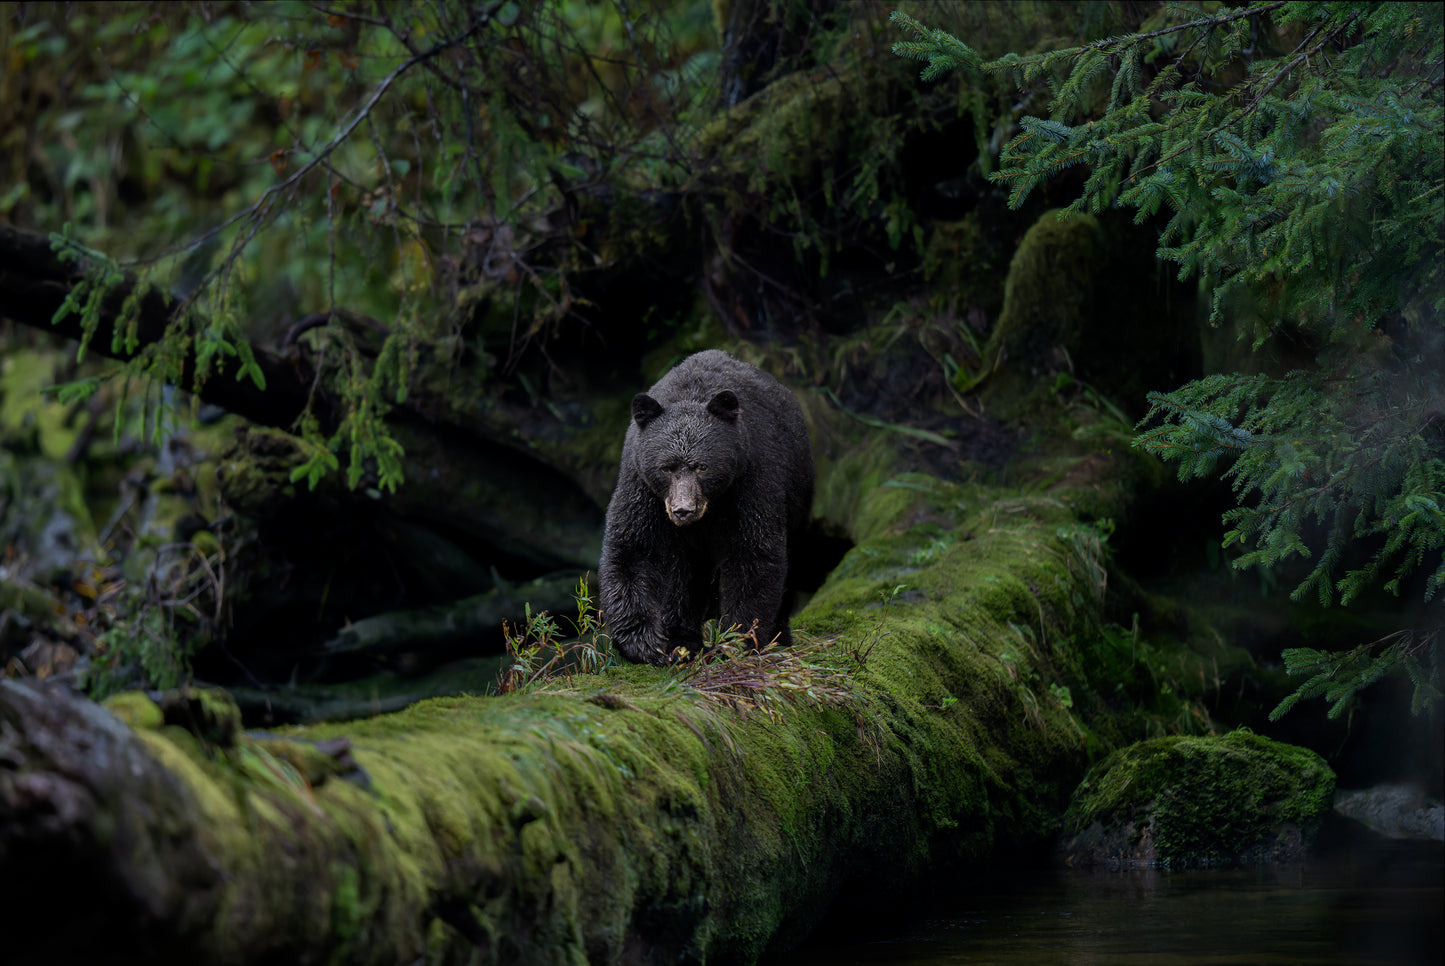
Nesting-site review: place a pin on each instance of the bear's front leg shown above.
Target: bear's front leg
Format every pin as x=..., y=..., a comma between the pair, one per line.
x=751, y=586
x=647, y=604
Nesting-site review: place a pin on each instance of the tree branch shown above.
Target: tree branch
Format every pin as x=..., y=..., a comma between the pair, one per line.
x=360, y=114
x=34, y=283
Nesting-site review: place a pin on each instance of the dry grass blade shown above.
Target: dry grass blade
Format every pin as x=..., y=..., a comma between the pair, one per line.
x=735, y=675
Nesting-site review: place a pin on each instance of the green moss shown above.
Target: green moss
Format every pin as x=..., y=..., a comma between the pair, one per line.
x=24, y=409
x=1049, y=294
x=136, y=710
x=346, y=910
x=165, y=507
x=212, y=715
x=1184, y=801
x=763, y=135
x=571, y=821
x=256, y=466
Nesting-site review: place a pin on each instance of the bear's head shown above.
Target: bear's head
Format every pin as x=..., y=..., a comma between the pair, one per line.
x=689, y=452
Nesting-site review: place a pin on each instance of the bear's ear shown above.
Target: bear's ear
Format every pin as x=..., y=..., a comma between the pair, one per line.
x=645, y=409
x=724, y=405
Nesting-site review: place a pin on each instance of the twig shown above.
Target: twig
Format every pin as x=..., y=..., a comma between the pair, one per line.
x=1208, y=22
x=341, y=137
x=1242, y=113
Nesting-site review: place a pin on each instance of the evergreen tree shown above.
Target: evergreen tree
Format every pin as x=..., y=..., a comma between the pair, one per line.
x=1303, y=186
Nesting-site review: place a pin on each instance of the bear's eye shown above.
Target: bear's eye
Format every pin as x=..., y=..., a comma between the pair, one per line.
x=700, y=470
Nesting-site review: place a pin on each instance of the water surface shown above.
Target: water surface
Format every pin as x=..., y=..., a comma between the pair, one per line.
x=1366, y=904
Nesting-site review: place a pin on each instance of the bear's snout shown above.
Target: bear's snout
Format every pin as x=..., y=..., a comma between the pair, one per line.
x=684, y=512
x=685, y=502
x=683, y=515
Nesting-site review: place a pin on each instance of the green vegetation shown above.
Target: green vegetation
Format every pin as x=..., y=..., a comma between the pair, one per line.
x=1198, y=801
x=359, y=163
x=399, y=197
x=537, y=650
x=1298, y=150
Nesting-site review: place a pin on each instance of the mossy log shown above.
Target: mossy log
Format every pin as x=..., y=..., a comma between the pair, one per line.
x=618, y=817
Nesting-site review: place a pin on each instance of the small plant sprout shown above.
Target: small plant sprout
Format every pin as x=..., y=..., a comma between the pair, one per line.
x=538, y=650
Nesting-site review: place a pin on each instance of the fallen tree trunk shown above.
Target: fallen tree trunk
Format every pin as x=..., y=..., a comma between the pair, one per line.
x=618, y=817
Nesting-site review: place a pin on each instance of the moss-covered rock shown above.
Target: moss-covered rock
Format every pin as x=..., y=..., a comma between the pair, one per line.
x=1198, y=801
x=1049, y=297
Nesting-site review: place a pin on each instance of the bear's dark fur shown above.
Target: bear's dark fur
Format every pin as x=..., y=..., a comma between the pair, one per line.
x=715, y=488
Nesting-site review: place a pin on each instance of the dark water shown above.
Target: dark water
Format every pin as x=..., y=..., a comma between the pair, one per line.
x=1362, y=905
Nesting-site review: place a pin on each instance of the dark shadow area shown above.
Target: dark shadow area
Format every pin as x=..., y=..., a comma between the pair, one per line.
x=818, y=553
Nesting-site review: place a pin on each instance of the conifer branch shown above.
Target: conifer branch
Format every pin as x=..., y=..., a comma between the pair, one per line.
x=1318, y=200
x=1242, y=113
x=1207, y=22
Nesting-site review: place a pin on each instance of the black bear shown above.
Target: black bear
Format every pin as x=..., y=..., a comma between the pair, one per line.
x=715, y=488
